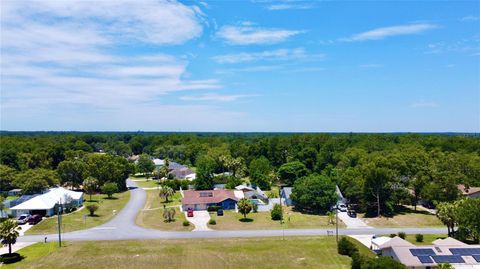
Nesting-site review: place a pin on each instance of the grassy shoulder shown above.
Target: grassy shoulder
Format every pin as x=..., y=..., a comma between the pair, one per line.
x=76, y=221
x=406, y=218
x=262, y=220
x=32, y=253
x=151, y=216
x=296, y=252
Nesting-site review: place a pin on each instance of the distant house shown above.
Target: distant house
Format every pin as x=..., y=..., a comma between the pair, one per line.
x=244, y=188
x=469, y=192
x=201, y=200
x=45, y=204
x=458, y=254
x=285, y=194
x=176, y=169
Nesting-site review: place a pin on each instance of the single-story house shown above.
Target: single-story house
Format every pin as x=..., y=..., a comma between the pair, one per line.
x=201, y=200
x=285, y=194
x=469, y=192
x=449, y=250
x=244, y=188
x=176, y=169
x=14, y=192
x=45, y=204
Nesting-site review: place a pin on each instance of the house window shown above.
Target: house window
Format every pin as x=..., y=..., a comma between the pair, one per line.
x=206, y=194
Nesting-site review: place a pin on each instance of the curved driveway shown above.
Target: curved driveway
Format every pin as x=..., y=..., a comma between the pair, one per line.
x=123, y=227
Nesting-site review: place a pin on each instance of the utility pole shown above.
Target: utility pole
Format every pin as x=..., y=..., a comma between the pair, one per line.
x=59, y=211
x=336, y=221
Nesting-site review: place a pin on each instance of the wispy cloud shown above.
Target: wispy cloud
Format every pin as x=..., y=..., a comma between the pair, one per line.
x=468, y=45
x=279, y=54
x=424, y=104
x=247, y=34
x=215, y=97
x=470, y=18
x=384, y=32
x=285, y=6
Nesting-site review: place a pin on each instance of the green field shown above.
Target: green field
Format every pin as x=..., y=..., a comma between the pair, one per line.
x=418, y=219
x=76, y=221
x=262, y=220
x=148, y=184
x=293, y=252
x=152, y=214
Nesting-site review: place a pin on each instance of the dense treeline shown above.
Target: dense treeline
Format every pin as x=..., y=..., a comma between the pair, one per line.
x=376, y=171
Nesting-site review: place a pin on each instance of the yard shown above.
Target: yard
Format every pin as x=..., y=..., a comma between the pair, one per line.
x=296, y=252
x=76, y=221
x=407, y=218
x=152, y=214
x=262, y=220
x=147, y=184
x=427, y=238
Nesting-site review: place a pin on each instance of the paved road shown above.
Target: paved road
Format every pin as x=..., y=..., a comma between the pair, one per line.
x=123, y=227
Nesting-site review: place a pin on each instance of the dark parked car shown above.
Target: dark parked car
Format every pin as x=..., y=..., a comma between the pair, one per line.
x=220, y=212
x=34, y=219
x=351, y=213
x=190, y=213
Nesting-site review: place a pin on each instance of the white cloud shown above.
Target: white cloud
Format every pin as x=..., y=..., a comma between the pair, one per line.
x=215, y=97
x=470, y=18
x=384, y=32
x=285, y=6
x=468, y=45
x=424, y=104
x=247, y=34
x=279, y=54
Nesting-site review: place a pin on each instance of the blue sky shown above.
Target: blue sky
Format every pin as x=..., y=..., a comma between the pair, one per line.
x=309, y=66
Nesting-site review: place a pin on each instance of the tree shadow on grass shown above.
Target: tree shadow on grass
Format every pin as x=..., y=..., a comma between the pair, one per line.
x=110, y=198
x=246, y=220
x=93, y=216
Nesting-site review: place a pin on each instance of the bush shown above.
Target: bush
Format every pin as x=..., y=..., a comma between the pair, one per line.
x=276, y=212
x=402, y=235
x=382, y=262
x=357, y=260
x=213, y=208
x=419, y=237
x=392, y=235
x=212, y=222
x=10, y=258
x=110, y=188
x=254, y=207
x=92, y=208
x=186, y=223
x=346, y=247
x=175, y=184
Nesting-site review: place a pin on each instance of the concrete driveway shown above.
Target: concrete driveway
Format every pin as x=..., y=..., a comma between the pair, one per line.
x=352, y=222
x=200, y=220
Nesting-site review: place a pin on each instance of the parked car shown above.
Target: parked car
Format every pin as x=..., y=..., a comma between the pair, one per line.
x=23, y=218
x=351, y=213
x=342, y=207
x=34, y=219
x=190, y=213
x=220, y=212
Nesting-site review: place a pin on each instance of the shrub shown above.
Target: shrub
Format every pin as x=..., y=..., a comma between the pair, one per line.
x=175, y=184
x=186, y=223
x=419, y=237
x=110, y=188
x=357, y=260
x=392, y=235
x=10, y=258
x=212, y=222
x=276, y=212
x=382, y=262
x=213, y=208
x=254, y=207
x=92, y=208
x=402, y=235
x=346, y=247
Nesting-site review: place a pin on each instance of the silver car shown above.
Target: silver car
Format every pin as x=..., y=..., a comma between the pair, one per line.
x=22, y=219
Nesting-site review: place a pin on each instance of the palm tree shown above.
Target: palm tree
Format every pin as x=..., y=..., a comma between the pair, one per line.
x=166, y=192
x=9, y=233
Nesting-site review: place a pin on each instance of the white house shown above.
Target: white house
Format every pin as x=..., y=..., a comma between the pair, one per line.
x=45, y=203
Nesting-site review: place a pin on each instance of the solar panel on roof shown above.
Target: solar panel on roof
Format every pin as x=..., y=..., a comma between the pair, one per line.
x=422, y=251
x=476, y=257
x=448, y=258
x=465, y=251
x=425, y=259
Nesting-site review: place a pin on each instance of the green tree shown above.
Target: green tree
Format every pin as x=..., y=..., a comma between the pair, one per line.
x=7, y=176
x=446, y=212
x=108, y=168
x=205, y=170
x=259, y=170
x=169, y=214
x=145, y=165
x=90, y=185
x=276, y=212
x=377, y=188
x=9, y=233
x=166, y=192
x=468, y=216
x=72, y=172
x=36, y=180
x=314, y=193
x=109, y=189
x=290, y=172
x=244, y=207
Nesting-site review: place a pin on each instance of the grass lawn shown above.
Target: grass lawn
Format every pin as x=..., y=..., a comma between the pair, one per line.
x=296, y=252
x=427, y=238
x=152, y=214
x=75, y=221
x=32, y=253
x=262, y=220
x=148, y=184
x=406, y=218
